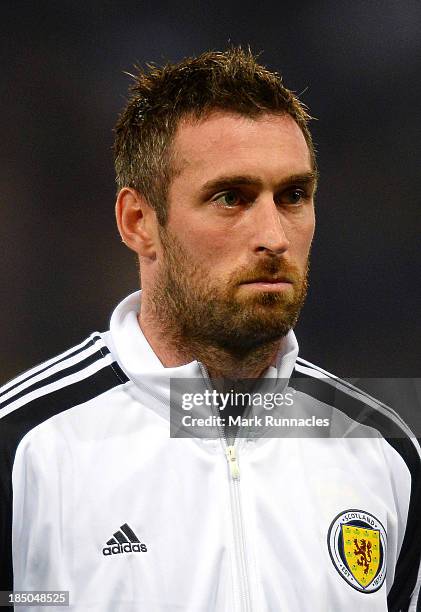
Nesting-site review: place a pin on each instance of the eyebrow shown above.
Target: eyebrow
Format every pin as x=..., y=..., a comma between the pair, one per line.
x=227, y=181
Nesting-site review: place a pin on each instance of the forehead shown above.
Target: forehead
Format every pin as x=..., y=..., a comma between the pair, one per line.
x=230, y=143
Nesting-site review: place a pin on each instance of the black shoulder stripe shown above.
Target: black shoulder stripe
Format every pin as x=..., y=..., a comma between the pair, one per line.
x=67, y=371
x=15, y=425
x=346, y=383
x=406, y=570
x=33, y=372
x=353, y=404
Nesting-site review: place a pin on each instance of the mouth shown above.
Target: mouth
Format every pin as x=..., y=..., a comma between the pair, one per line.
x=268, y=279
x=269, y=283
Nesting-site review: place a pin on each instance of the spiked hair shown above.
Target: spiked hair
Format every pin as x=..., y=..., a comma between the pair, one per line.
x=160, y=97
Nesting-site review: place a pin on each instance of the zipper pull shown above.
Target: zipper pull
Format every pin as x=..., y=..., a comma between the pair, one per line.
x=232, y=462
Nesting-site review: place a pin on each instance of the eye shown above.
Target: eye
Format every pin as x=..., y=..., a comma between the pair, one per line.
x=228, y=199
x=293, y=196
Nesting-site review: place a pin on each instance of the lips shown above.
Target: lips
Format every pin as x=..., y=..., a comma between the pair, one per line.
x=270, y=280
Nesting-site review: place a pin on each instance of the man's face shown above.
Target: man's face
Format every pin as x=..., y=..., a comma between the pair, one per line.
x=234, y=253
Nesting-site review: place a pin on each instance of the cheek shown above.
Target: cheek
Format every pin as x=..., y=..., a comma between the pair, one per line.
x=301, y=237
x=207, y=245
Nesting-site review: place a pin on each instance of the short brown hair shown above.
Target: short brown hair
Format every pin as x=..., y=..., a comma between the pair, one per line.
x=230, y=80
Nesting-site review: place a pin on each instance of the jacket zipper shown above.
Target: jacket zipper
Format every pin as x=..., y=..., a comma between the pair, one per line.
x=231, y=453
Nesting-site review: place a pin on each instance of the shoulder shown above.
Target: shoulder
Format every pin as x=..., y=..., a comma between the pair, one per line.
x=354, y=402
x=356, y=414
x=30, y=400
x=67, y=380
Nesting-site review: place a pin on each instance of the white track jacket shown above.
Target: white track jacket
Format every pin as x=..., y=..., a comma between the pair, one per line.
x=98, y=500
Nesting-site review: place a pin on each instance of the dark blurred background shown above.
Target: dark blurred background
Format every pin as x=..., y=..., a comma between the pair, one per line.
x=358, y=64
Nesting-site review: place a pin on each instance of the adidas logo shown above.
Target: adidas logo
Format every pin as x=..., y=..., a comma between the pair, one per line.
x=123, y=541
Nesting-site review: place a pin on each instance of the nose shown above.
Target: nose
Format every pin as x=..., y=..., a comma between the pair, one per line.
x=268, y=230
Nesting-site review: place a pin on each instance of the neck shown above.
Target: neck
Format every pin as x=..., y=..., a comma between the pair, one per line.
x=173, y=350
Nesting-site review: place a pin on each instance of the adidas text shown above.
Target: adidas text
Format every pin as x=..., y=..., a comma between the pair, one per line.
x=116, y=549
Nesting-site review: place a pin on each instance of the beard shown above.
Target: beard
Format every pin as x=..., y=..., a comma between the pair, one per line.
x=197, y=310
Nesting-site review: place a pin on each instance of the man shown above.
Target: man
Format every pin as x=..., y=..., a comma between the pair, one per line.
x=216, y=173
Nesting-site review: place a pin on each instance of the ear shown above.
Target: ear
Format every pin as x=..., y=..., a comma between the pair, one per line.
x=137, y=223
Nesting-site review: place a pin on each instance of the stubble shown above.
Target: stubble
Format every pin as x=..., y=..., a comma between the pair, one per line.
x=208, y=320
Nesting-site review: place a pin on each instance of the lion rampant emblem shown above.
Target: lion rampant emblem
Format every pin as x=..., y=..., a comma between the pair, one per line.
x=363, y=551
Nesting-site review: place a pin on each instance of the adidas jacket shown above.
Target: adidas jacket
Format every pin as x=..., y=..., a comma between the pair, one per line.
x=97, y=499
